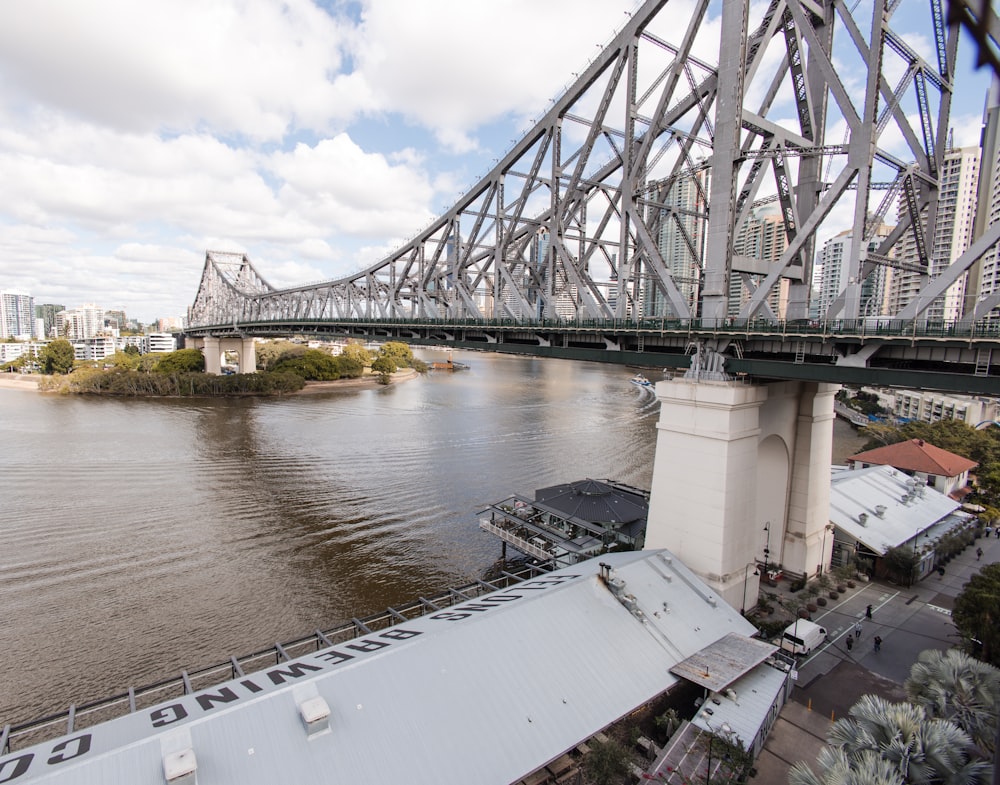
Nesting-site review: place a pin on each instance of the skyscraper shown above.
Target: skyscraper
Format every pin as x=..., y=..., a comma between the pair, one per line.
x=17, y=315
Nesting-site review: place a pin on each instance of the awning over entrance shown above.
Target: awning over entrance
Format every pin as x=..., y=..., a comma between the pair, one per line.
x=721, y=663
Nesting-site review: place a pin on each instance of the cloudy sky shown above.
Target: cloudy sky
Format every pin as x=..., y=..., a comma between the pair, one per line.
x=314, y=136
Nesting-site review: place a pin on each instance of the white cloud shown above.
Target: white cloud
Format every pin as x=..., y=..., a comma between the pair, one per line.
x=242, y=66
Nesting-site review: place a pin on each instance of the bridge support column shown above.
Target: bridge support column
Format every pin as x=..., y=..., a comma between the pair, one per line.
x=248, y=356
x=704, y=496
x=805, y=545
x=213, y=354
x=732, y=458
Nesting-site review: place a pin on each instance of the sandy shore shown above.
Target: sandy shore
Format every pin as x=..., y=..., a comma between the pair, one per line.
x=17, y=381
x=369, y=380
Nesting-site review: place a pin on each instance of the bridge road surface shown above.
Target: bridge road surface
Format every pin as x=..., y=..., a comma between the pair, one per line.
x=832, y=679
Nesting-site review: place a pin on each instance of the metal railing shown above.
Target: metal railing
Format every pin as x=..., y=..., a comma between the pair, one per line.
x=19, y=736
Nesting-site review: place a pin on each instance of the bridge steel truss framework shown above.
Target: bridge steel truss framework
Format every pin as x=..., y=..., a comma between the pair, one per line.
x=585, y=196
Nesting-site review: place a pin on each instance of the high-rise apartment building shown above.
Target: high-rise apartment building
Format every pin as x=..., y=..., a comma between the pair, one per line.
x=953, y=233
x=47, y=313
x=17, y=315
x=832, y=276
x=682, y=206
x=763, y=238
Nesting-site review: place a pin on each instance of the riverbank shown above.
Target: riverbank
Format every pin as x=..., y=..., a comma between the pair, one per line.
x=12, y=381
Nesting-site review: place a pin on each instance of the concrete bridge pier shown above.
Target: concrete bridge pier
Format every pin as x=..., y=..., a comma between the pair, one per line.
x=740, y=468
x=215, y=348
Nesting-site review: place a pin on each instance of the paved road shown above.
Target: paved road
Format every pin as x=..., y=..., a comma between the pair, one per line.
x=908, y=619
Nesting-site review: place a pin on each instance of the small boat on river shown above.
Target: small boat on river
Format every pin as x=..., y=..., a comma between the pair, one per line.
x=641, y=381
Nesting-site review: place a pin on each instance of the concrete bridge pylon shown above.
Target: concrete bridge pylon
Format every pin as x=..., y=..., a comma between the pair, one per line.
x=215, y=348
x=739, y=469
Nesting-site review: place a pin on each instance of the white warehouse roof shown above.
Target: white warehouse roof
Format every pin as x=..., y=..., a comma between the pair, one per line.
x=883, y=507
x=485, y=691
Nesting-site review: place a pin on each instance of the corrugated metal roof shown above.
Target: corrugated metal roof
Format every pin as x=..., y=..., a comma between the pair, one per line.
x=746, y=710
x=486, y=691
x=907, y=506
x=721, y=663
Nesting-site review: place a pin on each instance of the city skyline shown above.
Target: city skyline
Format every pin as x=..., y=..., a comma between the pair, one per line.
x=314, y=138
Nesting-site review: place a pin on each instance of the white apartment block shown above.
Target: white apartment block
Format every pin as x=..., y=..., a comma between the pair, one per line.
x=79, y=324
x=96, y=348
x=11, y=351
x=161, y=342
x=928, y=406
x=17, y=315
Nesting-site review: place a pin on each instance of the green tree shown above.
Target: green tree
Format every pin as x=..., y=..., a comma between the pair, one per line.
x=607, y=762
x=976, y=614
x=124, y=361
x=358, y=353
x=57, y=356
x=181, y=361
x=383, y=365
x=132, y=349
x=269, y=352
x=902, y=562
x=951, y=685
x=836, y=768
x=398, y=352
x=349, y=368
x=313, y=364
x=924, y=750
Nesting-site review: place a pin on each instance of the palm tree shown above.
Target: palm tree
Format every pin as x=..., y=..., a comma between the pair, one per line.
x=868, y=768
x=925, y=751
x=951, y=685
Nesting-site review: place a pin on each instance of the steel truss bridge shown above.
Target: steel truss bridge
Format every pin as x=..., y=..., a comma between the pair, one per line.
x=617, y=228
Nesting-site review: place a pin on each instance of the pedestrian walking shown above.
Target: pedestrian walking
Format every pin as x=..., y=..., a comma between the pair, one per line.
x=868, y=612
x=878, y=643
x=857, y=629
x=850, y=643
x=979, y=553
x=996, y=531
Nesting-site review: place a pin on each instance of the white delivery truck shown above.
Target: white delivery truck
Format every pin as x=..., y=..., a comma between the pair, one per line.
x=802, y=636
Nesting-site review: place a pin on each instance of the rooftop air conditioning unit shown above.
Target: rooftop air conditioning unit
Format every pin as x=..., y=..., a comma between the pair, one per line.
x=880, y=510
x=863, y=519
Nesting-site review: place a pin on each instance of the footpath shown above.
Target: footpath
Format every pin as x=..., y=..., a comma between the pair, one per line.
x=908, y=619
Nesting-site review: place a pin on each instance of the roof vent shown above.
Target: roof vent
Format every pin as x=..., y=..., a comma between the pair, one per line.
x=880, y=510
x=180, y=768
x=315, y=713
x=863, y=518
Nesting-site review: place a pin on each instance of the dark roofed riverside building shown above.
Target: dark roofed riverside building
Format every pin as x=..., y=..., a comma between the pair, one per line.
x=567, y=523
x=490, y=689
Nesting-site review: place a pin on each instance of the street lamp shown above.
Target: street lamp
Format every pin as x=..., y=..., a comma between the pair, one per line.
x=767, y=546
x=743, y=606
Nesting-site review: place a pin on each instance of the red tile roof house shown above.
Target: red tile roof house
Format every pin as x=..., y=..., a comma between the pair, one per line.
x=942, y=470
